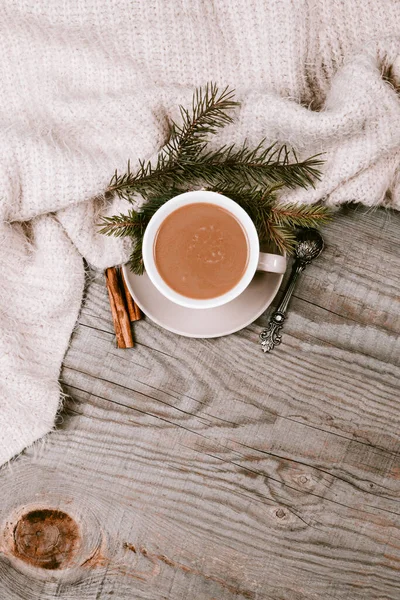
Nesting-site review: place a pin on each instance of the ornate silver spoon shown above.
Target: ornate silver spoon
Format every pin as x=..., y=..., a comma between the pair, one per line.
x=309, y=245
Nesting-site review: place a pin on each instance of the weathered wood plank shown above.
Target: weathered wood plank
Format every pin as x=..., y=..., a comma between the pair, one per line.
x=205, y=469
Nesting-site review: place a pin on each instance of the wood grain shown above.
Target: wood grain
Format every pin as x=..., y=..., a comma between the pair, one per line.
x=205, y=469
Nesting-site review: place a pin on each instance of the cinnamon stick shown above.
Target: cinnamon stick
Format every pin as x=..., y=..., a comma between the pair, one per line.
x=117, y=326
x=138, y=312
x=133, y=309
x=119, y=311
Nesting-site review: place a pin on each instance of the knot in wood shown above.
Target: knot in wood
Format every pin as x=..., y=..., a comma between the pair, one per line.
x=303, y=479
x=48, y=539
x=280, y=513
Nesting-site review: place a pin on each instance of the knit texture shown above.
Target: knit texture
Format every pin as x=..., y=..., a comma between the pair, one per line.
x=87, y=84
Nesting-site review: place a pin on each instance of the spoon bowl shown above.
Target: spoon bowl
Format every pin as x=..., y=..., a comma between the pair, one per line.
x=309, y=245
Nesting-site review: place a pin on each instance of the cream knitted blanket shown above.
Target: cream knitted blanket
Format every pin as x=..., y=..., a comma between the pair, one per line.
x=87, y=84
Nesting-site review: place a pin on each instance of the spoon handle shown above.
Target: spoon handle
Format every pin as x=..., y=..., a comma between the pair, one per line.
x=270, y=336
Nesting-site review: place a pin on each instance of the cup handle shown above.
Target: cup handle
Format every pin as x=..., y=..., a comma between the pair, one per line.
x=273, y=263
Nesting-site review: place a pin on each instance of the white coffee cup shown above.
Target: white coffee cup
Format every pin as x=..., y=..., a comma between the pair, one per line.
x=257, y=261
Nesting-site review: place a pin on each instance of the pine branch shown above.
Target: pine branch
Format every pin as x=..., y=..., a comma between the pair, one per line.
x=209, y=112
x=251, y=177
x=306, y=215
x=184, y=161
x=122, y=225
x=259, y=166
x=149, y=179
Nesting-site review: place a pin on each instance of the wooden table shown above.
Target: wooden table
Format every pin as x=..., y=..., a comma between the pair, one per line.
x=206, y=470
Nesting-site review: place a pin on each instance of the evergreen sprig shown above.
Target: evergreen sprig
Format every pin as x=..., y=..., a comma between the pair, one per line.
x=250, y=176
x=260, y=165
x=210, y=111
x=176, y=163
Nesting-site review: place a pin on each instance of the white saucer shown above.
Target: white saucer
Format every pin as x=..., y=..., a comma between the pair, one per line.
x=207, y=322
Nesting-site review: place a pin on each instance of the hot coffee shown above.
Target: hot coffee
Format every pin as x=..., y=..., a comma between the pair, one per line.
x=201, y=250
